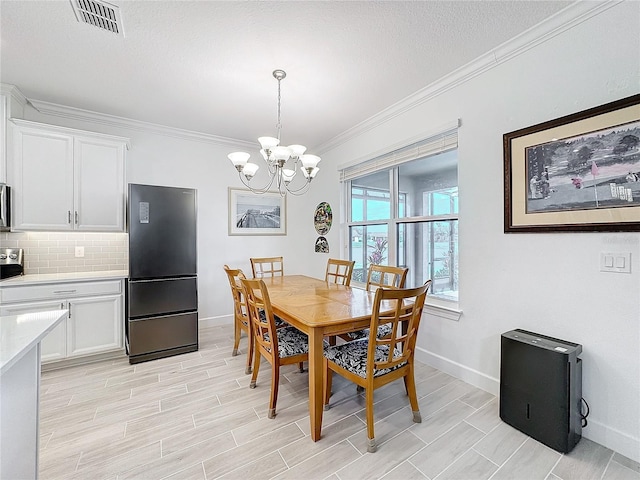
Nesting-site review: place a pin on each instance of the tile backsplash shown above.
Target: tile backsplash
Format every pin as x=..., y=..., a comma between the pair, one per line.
x=55, y=252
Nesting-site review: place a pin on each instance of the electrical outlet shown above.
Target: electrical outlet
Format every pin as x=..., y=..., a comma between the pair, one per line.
x=79, y=252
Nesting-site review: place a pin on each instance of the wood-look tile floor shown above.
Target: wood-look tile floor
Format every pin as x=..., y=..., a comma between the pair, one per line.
x=193, y=416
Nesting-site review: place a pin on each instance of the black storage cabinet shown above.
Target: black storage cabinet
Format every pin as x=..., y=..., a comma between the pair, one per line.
x=541, y=388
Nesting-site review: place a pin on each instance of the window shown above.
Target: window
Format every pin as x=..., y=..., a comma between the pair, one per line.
x=406, y=214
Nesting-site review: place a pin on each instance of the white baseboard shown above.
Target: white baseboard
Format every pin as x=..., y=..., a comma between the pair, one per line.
x=215, y=321
x=455, y=369
x=595, y=431
x=616, y=440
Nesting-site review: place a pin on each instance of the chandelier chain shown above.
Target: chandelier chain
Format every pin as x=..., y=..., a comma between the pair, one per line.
x=279, y=124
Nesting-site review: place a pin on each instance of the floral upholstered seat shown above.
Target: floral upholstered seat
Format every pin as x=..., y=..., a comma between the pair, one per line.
x=383, y=331
x=352, y=356
x=291, y=341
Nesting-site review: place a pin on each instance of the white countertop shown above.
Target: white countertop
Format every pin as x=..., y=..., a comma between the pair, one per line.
x=20, y=333
x=36, y=278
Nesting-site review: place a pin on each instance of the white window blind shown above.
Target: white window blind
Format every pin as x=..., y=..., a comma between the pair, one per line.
x=446, y=139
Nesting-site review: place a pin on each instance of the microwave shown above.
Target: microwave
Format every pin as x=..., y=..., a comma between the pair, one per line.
x=5, y=208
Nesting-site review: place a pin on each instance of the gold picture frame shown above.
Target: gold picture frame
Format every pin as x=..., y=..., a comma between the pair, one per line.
x=580, y=172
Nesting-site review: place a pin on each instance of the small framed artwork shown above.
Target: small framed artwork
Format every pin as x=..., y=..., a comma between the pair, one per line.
x=257, y=214
x=580, y=172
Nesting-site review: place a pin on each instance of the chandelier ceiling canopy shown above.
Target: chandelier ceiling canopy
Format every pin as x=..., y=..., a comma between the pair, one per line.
x=282, y=162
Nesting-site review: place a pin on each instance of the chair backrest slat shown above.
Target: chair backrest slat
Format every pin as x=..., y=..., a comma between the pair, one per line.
x=339, y=271
x=267, y=267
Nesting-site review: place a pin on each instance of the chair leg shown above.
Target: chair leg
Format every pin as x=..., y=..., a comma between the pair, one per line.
x=256, y=368
x=359, y=388
x=371, y=445
x=328, y=378
x=413, y=397
x=275, y=382
x=301, y=367
x=236, y=337
x=247, y=370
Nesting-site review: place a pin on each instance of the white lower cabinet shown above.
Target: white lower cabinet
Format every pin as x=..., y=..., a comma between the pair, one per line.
x=94, y=325
x=95, y=320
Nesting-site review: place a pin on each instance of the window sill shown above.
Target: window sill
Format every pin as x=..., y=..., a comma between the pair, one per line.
x=448, y=313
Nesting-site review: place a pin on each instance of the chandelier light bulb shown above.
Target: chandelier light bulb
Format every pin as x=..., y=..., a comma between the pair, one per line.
x=309, y=173
x=281, y=153
x=310, y=161
x=250, y=170
x=297, y=150
x=268, y=143
x=288, y=174
x=239, y=159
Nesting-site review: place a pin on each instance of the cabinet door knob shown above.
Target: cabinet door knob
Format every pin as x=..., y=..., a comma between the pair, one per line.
x=69, y=307
x=69, y=216
x=76, y=217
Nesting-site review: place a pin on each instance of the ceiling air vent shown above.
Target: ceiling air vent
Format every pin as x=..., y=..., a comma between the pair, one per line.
x=100, y=14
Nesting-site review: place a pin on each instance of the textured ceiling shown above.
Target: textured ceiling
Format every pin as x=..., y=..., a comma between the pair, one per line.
x=206, y=66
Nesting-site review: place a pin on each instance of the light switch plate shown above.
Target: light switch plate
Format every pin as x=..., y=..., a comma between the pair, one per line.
x=617, y=262
x=79, y=252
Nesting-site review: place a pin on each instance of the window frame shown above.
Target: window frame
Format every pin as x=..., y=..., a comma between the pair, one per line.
x=448, y=306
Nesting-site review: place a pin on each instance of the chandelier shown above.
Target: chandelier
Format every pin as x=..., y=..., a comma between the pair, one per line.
x=282, y=162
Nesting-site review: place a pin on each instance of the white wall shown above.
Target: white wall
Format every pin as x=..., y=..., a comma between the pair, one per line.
x=547, y=283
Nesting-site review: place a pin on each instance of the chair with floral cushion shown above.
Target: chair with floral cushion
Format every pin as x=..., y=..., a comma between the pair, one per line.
x=280, y=346
x=240, y=314
x=380, y=276
x=339, y=271
x=373, y=362
x=267, y=267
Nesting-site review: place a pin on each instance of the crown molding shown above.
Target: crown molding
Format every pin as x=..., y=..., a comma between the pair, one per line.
x=13, y=92
x=562, y=21
x=72, y=131
x=73, y=113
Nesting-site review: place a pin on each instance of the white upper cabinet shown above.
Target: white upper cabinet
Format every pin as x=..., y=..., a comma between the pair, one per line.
x=65, y=179
x=99, y=184
x=42, y=181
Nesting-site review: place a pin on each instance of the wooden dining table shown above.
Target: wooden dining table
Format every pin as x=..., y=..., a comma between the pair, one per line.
x=319, y=309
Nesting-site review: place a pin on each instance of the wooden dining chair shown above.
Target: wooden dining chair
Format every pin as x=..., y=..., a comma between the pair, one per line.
x=386, y=276
x=267, y=266
x=380, y=276
x=339, y=271
x=373, y=362
x=279, y=346
x=241, y=321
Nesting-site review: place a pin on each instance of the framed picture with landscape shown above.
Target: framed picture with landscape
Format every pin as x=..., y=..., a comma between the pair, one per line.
x=257, y=214
x=580, y=172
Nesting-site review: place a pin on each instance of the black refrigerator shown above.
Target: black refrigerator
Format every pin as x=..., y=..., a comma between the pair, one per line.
x=162, y=288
